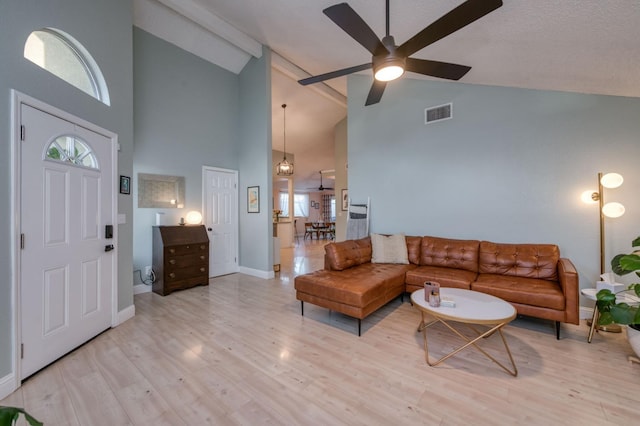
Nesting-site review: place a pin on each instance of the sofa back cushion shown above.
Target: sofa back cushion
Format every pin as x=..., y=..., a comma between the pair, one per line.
x=520, y=260
x=413, y=249
x=345, y=254
x=449, y=253
x=389, y=248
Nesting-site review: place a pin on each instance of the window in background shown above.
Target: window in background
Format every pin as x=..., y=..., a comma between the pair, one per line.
x=284, y=204
x=64, y=57
x=301, y=205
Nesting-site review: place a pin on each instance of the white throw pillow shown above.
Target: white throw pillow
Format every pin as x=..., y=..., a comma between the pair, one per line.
x=389, y=249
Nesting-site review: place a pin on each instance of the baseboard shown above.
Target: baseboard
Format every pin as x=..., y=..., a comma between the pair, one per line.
x=7, y=385
x=585, y=312
x=141, y=288
x=126, y=314
x=257, y=273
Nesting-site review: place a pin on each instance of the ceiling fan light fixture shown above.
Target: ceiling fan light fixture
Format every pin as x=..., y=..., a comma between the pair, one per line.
x=284, y=168
x=388, y=68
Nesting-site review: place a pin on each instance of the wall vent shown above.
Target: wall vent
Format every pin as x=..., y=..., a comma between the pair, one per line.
x=438, y=113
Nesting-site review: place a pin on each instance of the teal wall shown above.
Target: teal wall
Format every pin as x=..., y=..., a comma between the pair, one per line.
x=254, y=146
x=509, y=167
x=186, y=113
x=104, y=28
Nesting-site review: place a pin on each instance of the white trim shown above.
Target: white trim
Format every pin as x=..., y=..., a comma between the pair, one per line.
x=126, y=314
x=18, y=99
x=257, y=273
x=7, y=385
x=141, y=288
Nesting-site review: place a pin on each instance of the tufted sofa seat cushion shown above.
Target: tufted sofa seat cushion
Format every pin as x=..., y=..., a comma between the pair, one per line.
x=446, y=277
x=520, y=260
x=356, y=291
x=541, y=293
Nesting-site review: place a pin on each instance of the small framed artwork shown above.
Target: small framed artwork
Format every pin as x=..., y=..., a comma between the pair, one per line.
x=253, y=199
x=316, y=205
x=125, y=185
x=345, y=199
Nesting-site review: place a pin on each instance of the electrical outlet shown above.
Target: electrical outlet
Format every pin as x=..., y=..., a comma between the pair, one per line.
x=147, y=271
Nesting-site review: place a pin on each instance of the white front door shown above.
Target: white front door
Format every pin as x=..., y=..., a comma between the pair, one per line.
x=66, y=265
x=220, y=192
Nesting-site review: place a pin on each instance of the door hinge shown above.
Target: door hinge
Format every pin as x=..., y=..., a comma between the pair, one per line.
x=21, y=241
x=22, y=132
x=21, y=350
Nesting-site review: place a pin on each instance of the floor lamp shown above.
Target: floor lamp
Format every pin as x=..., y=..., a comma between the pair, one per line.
x=612, y=210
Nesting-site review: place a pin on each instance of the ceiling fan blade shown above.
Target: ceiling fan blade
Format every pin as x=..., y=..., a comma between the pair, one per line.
x=334, y=74
x=437, y=69
x=375, y=93
x=459, y=17
x=346, y=18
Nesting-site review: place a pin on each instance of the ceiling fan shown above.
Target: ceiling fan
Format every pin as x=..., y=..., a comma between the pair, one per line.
x=390, y=61
x=323, y=188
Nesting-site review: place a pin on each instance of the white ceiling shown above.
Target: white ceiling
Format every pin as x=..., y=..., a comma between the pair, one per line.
x=586, y=46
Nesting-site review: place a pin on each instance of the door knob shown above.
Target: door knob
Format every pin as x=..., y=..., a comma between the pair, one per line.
x=108, y=247
x=209, y=229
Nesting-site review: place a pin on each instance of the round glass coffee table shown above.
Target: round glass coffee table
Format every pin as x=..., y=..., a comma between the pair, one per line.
x=471, y=308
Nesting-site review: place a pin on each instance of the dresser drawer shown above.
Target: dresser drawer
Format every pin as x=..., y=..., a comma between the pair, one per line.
x=198, y=259
x=185, y=249
x=179, y=274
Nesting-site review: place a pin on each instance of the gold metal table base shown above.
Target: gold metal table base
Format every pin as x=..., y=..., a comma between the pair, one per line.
x=470, y=342
x=593, y=325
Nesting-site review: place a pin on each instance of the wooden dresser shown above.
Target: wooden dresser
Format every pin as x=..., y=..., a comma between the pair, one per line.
x=180, y=257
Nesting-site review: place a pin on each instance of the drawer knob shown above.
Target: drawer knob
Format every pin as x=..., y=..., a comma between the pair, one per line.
x=202, y=269
x=172, y=275
x=172, y=251
x=202, y=247
x=202, y=257
x=172, y=261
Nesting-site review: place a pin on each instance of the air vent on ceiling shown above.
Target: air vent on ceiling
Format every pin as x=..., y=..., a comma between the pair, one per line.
x=438, y=113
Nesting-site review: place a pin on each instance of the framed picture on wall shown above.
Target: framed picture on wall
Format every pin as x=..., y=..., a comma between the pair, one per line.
x=253, y=199
x=125, y=185
x=345, y=199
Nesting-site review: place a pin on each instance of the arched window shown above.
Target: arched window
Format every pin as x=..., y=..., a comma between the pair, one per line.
x=64, y=57
x=71, y=149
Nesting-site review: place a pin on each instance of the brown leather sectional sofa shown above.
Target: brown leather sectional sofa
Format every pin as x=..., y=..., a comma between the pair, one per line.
x=532, y=277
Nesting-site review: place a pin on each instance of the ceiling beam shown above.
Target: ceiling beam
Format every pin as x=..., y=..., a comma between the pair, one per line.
x=211, y=22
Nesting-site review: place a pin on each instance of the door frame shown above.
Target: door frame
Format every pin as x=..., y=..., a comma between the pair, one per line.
x=17, y=100
x=237, y=216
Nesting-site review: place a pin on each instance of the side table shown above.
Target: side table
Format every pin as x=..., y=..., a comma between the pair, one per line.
x=590, y=293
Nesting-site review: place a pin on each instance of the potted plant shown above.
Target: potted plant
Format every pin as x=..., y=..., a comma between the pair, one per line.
x=613, y=311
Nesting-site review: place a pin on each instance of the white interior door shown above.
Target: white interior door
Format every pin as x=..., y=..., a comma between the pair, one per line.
x=66, y=267
x=220, y=188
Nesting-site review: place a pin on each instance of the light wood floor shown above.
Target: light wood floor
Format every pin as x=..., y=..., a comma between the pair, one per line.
x=238, y=352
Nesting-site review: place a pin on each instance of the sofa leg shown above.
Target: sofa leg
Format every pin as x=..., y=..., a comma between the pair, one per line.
x=302, y=308
x=359, y=326
x=557, y=330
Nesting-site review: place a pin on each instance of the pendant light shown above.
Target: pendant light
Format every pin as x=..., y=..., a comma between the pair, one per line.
x=284, y=168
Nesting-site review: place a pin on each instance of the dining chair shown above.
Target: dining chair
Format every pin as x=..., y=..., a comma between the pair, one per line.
x=309, y=230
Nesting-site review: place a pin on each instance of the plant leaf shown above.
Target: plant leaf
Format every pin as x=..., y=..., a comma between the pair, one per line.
x=630, y=262
x=605, y=318
x=9, y=416
x=636, y=242
x=623, y=313
x=615, y=265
